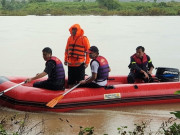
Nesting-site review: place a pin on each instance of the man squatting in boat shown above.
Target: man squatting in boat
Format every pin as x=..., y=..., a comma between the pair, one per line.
x=141, y=66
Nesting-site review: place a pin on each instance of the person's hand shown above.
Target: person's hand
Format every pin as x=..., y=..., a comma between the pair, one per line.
x=65, y=63
x=28, y=80
x=146, y=75
x=85, y=65
x=109, y=69
x=82, y=82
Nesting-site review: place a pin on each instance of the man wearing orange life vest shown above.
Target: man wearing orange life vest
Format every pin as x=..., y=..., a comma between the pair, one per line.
x=140, y=66
x=75, y=55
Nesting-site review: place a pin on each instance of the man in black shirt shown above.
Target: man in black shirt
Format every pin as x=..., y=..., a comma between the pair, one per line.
x=140, y=66
x=55, y=71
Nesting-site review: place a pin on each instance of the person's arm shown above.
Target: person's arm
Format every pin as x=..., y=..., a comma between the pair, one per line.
x=40, y=75
x=150, y=65
x=87, y=46
x=92, y=78
x=66, y=52
x=109, y=69
x=150, y=70
x=145, y=74
x=49, y=67
x=134, y=66
x=94, y=70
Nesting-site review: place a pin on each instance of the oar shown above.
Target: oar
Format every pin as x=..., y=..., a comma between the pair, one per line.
x=1, y=93
x=54, y=101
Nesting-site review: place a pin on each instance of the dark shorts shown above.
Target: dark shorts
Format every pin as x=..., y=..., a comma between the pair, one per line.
x=50, y=85
x=76, y=74
x=91, y=85
x=133, y=76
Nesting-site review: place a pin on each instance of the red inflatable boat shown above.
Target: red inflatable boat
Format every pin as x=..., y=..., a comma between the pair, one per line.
x=117, y=93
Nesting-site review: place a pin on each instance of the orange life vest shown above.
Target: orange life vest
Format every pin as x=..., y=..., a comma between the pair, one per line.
x=139, y=61
x=76, y=48
x=142, y=63
x=75, y=53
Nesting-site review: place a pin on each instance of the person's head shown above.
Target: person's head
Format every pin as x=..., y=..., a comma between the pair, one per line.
x=74, y=30
x=93, y=52
x=140, y=51
x=47, y=53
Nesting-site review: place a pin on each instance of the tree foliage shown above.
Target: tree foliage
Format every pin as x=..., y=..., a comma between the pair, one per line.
x=3, y=3
x=109, y=4
x=77, y=0
x=12, y=5
x=34, y=1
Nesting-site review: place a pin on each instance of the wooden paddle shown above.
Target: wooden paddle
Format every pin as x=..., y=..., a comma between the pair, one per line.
x=54, y=101
x=1, y=93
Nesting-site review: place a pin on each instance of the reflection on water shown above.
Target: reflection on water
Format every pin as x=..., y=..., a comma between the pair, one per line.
x=23, y=38
x=104, y=120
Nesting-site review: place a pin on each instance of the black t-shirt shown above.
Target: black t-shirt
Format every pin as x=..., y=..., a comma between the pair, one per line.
x=50, y=69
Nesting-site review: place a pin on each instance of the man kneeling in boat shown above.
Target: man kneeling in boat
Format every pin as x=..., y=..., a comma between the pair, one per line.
x=140, y=66
x=100, y=70
x=55, y=71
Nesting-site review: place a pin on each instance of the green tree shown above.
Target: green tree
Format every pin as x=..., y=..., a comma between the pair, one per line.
x=32, y=1
x=3, y=2
x=109, y=4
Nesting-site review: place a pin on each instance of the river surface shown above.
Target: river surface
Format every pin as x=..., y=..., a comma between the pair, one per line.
x=23, y=38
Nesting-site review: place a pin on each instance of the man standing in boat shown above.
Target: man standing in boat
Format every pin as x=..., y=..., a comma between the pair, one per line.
x=55, y=71
x=141, y=66
x=100, y=70
x=75, y=55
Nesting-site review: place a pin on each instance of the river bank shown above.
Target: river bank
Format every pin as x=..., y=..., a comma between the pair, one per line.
x=16, y=8
x=150, y=119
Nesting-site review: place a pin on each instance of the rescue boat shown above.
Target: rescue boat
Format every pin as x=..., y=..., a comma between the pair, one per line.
x=116, y=94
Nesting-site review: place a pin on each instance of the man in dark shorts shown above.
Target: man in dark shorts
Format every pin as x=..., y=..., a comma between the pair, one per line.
x=55, y=71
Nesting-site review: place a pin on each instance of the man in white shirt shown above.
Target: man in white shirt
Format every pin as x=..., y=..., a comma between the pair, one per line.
x=100, y=70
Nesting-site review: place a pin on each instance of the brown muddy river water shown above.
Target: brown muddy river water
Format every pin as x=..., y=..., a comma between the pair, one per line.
x=23, y=38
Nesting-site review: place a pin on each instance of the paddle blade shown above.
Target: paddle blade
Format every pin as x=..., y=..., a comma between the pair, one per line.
x=54, y=101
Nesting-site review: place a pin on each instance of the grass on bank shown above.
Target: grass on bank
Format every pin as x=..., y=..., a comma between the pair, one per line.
x=88, y=8
x=14, y=125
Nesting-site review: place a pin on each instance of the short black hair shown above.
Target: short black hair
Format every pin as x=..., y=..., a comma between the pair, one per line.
x=140, y=47
x=47, y=50
x=94, y=49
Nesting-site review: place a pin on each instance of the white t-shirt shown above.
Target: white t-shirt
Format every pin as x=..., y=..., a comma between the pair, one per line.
x=94, y=69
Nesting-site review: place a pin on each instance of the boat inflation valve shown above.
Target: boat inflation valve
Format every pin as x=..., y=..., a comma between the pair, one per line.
x=135, y=86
